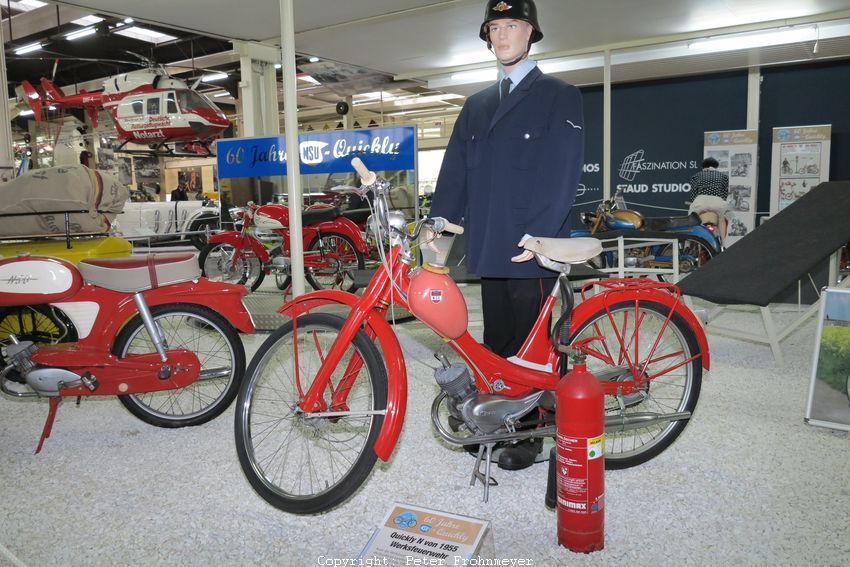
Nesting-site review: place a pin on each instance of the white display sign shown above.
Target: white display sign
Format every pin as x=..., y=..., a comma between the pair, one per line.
x=411, y=535
x=800, y=161
x=736, y=152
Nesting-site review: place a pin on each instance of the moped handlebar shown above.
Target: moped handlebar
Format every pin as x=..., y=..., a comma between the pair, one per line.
x=367, y=178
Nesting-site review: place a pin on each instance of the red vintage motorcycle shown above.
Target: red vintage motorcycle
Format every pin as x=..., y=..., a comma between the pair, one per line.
x=260, y=245
x=321, y=401
x=147, y=329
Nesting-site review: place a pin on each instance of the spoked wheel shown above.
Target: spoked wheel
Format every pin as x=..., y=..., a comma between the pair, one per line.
x=37, y=323
x=641, y=342
x=333, y=258
x=223, y=263
x=218, y=348
x=303, y=462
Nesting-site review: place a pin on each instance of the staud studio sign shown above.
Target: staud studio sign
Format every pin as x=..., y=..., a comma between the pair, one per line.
x=381, y=149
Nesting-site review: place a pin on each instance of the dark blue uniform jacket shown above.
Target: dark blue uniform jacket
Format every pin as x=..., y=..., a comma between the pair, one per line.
x=511, y=169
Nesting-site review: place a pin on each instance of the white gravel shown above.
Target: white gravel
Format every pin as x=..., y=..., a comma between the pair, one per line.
x=748, y=483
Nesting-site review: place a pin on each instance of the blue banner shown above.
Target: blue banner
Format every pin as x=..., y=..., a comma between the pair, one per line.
x=381, y=149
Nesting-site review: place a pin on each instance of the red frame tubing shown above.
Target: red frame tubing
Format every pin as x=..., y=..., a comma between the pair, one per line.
x=377, y=328
x=640, y=289
x=238, y=241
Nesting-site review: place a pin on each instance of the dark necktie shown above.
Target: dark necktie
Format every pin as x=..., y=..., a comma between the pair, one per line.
x=504, y=88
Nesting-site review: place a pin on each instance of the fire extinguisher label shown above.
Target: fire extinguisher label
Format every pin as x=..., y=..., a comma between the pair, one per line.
x=595, y=447
x=577, y=487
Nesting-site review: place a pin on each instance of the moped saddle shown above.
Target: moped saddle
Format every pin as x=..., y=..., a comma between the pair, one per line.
x=665, y=223
x=319, y=215
x=140, y=273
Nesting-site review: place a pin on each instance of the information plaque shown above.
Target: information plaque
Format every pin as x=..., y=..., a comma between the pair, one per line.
x=411, y=535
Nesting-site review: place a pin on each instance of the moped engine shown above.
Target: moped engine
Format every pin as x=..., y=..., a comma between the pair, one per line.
x=482, y=413
x=44, y=381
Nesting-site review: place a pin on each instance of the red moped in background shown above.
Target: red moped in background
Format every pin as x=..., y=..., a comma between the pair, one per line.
x=260, y=245
x=147, y=329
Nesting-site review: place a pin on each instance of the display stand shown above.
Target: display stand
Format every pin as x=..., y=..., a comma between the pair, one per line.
x=761, y=266
x=413, y=535
x=829, y=393
x=620, y=244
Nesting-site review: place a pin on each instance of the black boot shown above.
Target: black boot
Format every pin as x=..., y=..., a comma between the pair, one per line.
x=520, y=455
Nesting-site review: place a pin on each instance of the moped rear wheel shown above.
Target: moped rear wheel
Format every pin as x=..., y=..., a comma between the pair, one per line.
x=626, y=332
x=333, y=267
x=216, y=344
x=218, y=264
x=300, y=462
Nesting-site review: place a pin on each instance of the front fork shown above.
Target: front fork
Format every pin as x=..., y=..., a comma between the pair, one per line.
x=154, y=331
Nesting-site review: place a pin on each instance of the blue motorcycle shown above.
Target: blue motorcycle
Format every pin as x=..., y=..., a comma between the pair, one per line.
x=697, y=243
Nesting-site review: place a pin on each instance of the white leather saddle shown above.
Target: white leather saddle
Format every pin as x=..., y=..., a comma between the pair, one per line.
x=139, y=273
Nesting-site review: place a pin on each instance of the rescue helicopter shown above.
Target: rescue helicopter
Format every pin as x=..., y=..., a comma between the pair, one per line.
x=148, y=107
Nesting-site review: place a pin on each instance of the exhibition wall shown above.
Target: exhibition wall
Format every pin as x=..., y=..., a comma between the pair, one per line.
x=658, y=126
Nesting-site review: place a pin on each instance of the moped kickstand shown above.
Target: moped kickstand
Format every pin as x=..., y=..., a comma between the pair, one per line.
x=48, y=425
x=484, y=477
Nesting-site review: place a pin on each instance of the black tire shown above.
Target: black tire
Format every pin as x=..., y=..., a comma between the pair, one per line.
x=695, y=248
x=200, y=240
x=335, y=272
x=282, y=281
x=187, y=326
x=216, y=261
x=41, y=324
x=276, y=441
x=675, y=389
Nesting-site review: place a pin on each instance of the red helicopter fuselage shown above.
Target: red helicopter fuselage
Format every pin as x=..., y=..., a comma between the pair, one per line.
x=147, y=107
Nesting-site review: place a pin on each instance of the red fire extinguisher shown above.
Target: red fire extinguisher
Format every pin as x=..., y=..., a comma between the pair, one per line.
x=580, y=465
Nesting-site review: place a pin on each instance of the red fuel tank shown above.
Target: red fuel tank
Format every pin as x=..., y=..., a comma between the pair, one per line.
x=435, y=299
x=27, y=280
x=271, y=217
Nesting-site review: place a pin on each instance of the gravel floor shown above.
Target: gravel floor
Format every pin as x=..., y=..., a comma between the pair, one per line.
x=748, y=483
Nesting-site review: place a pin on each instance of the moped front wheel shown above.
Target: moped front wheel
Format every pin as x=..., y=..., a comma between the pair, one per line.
x=216, y=344
x=308, y=462
x=224, y=263
x=635, y=339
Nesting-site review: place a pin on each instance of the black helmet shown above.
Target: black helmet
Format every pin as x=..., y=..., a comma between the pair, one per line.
x=524, y=10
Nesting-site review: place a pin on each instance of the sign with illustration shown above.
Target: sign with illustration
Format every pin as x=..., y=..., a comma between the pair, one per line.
x=410, y=535
x=829, y=392
x=736, y=151
x=381, y=149
x=800, y=161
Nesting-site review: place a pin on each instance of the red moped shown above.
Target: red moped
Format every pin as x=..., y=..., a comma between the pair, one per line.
x=147, y=329
x=325, y=396
x=333, y=247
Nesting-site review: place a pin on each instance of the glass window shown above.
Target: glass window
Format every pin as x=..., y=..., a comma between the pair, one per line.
x=171, y=103
x=190, y=100
x=153, y=106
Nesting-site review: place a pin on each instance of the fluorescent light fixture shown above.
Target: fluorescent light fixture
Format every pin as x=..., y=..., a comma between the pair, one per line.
x=213, y=77
x=465, y=78
x=752, y=40
x=426, y=99
x=129, y=20
x=277, y=65
x=145, y=34
x=51, y=107
x=314, y=59
x=564, y=64
x=307, y=78
x=221, y=94
x=28, y=48
x=26, y=5
x=87, y=20
x=80, y=33
x=26, y=113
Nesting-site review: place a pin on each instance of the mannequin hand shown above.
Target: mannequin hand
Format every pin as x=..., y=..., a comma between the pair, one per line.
x=525, y=255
